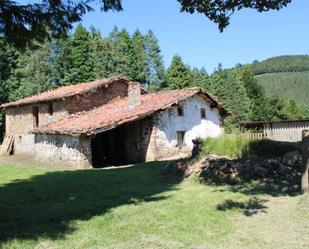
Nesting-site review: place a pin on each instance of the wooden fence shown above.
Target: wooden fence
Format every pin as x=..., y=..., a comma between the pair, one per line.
x=259, y=136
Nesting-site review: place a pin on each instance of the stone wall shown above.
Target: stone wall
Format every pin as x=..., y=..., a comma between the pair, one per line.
x=136, y=137
x=96, y=97
x=164, y=143
x=63, y=150
x=20, y=122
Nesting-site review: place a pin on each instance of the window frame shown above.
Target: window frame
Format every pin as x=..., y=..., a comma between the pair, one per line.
x=51, y=109
x=203, y=113
x=35, y=115
x=180, y=111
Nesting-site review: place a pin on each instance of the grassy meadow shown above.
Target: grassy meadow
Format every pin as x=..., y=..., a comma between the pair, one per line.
x=138, y=207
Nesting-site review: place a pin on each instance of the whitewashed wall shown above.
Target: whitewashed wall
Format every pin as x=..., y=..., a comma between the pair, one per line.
x=168, y=123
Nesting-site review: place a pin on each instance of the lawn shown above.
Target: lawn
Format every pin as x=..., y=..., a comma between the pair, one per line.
x=138, y=207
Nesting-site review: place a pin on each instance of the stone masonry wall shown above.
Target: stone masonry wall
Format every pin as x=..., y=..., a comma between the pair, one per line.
x=136, y=137
x=63, y=150
x=20, y=122
x=96, y=97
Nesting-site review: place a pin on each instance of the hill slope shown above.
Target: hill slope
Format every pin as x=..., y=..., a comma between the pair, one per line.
x=285, y=63
x=293, y=85
x=286, y=76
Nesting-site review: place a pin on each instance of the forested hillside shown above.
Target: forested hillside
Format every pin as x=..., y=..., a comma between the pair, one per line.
x=292, y=85
x=86, y=55
x=286, y=76
x=286, y=63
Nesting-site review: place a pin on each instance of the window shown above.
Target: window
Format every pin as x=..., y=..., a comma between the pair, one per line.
x=179, y=111
x=50, y=109
x=35, y=112
x=180, y=138
x=203, y=113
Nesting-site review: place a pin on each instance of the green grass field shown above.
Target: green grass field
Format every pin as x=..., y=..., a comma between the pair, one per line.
x=138, y=207
x=292, y=85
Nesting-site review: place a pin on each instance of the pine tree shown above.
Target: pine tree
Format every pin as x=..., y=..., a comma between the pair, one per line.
x=200, y=77
x=154, y=68
x=121, y=52
x=178, y=75
x=255, y=92
x=62, y=58
x=137, y=58
x=8, y=61
x=228, y=88
x=79, y=47
x=101, y=50
x=32, y=74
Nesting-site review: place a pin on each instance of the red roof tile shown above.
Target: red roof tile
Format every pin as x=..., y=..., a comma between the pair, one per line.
x=116, y=113
x=64, y=92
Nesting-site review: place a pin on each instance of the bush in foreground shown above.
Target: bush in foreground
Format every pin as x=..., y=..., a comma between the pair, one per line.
x=238, y=147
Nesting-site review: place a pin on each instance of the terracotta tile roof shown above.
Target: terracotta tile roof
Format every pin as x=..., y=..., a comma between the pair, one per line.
x=64, y=92
x=116, y=113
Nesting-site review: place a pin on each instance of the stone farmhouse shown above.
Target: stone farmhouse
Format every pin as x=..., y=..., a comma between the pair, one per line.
x=111, y=122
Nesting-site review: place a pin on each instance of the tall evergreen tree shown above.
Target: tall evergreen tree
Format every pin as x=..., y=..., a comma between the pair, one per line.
x=82, y=68
x=101, y=50
x=121, y=52
x=256, y=93
x=8, y=61
x=154, y=68
x=178, y=75
x=229, y=88
x=32, y=74
x=137, y=58
x=200, y=77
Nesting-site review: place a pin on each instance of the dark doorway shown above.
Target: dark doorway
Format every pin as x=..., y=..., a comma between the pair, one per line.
x=123, y=145
x=108, y=149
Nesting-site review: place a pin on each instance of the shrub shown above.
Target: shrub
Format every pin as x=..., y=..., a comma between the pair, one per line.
x=238, y=147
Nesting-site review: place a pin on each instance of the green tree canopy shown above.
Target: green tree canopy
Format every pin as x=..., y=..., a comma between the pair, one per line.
x=178, y=75
x=81, y=61
x=154, y=68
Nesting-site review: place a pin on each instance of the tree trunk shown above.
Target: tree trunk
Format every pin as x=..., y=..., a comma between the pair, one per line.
x=305, y=152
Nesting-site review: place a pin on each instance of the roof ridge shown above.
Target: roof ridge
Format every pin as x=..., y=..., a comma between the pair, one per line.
x=28, y=100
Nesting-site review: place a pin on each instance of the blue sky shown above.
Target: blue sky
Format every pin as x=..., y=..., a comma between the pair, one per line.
x=249, y=36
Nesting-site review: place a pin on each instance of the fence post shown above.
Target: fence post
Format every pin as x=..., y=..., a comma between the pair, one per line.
x=305, y=152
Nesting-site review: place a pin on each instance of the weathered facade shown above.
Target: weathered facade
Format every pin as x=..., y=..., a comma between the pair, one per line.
x=23, y=117
x=111, y=122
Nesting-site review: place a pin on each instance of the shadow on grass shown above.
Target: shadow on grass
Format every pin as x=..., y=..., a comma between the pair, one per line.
x=45, y=205
x=251, y=207
x=274, y=188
